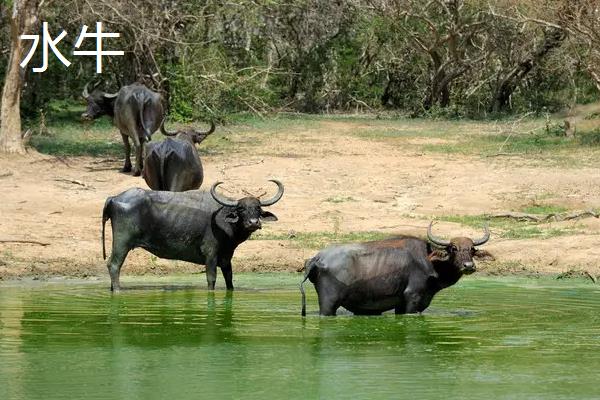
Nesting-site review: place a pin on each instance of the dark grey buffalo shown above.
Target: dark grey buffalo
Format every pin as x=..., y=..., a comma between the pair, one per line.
x=401, y=273
x=174, y=163
x=195, y=226
x=136, y=111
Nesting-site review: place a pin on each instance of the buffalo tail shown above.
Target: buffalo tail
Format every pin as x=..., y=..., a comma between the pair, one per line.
x=105, y=217
x=309, y=265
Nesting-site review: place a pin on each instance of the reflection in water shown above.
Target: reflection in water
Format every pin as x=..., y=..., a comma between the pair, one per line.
x=11, y=361
x=483, y=336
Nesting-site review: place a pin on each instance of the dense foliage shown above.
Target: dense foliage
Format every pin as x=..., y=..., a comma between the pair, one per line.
x=451, y=57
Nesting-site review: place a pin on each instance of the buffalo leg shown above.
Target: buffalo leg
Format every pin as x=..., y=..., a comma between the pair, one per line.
x=400, y=309
x=127, y=165
x=328, y=293
x=138, y=144
x=327, y=306
x=415, y=301
x=114, y=267
x=211, y=274
x=227, y=271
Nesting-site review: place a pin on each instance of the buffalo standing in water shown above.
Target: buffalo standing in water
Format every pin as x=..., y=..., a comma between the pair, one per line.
x=136, y=111
x=174, y=163
x=195, y=226
x=402, y=273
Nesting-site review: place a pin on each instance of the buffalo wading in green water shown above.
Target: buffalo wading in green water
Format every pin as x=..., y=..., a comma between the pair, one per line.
x=196, y=226
x=402, y=273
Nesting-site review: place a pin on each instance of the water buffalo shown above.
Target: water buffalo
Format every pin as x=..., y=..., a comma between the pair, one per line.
x=136, y=111
x=195, y=226
x=401, y=273
x=174, y=164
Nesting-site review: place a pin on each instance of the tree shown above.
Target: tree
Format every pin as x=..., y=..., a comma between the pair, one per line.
x=446, y=32
x=23, y=19
x=519, y=50
x=581, y=18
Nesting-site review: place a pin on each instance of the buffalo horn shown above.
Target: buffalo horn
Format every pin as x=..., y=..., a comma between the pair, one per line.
x=199, y=136
x=164, y=130
x=86, y=91
x=485, y=238
x=221, y=200
x=275, y=198
x=436, y=240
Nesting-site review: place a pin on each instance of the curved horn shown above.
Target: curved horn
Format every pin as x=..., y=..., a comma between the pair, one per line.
x=275, y=198
x=434, y=239
x=221, y=200
x=199, y=136
x=209, y=131
x=85, y=94
x=86, y=90
x=485, y=238
x=111, y=95
x=164, y=131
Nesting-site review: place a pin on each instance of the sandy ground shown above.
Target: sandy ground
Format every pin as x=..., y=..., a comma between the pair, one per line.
x=334, y=181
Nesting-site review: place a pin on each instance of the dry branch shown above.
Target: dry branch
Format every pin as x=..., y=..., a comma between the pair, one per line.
x=248, y=163
x=544, y=218
x=504, y=154
x=73, y=181
x=24, y=241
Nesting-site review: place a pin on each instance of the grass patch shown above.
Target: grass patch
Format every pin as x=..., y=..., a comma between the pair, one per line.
x=340, y=199
x=544, y=209
x=318, y=240
x=274, y=123
x=515, y=144
x=62, y=133
x=509, y=228
x=539, y=144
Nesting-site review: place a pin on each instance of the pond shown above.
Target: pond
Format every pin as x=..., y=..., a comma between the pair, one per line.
x=503, y=338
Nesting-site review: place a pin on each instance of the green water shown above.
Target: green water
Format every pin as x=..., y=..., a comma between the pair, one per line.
x=171, y=339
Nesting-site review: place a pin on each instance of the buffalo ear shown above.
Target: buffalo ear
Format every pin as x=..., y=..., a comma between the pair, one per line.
x=268, y=216
x=232, y=218
x=484, y=255
x=438, y=255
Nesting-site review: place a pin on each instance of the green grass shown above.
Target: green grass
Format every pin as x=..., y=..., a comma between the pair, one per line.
x=64, y=134
x=541, y=145
x=544, y=209
x=317, y=240
x=340, y=199
x=274, y=123
x=509, y=228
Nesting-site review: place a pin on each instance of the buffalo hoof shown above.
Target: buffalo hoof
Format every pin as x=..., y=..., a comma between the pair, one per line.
x=136, y=172
x=126, y=169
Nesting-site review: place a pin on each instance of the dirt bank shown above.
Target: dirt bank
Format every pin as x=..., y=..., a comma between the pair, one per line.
x=335, y=181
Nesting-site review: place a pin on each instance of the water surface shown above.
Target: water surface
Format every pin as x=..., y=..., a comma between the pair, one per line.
x=498, y=338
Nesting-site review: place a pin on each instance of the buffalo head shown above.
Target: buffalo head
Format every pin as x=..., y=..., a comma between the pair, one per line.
x=193, y=135
x=248, y=211
x=99, y=103
x=459, y=251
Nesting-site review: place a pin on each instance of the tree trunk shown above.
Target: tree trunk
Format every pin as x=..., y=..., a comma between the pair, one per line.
x=553, y=38
x=24, y=16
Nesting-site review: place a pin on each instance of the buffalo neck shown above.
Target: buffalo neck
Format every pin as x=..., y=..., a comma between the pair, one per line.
x=448, y=273
x=110, y=107
x=231, y=233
